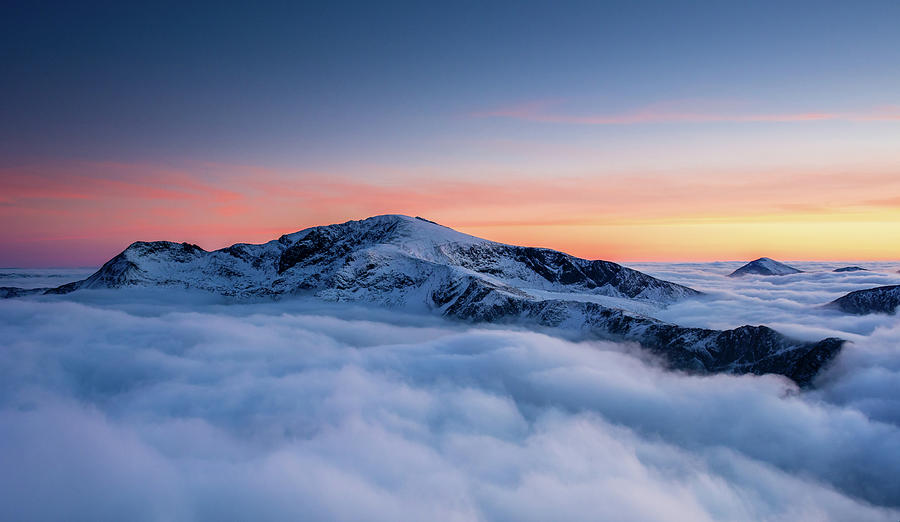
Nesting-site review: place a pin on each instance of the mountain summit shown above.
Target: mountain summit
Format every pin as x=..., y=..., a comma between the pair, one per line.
x=764, y=266
x=417, y=265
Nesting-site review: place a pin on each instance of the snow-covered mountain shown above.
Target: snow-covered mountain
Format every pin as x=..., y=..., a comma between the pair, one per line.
x=390, y=260
x=881, y=300
x=417, y=265
x=850, y=269
x=764, y=266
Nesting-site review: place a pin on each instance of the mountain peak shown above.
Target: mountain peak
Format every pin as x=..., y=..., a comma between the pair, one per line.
x=384, y=259
x=387, y=229
x=415, y=264
x=764, y=266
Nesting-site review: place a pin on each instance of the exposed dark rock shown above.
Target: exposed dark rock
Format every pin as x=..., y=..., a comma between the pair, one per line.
x=748, y=349
x=849, y=269
x=12, y=291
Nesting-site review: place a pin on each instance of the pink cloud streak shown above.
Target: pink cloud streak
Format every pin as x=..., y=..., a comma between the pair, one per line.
x=540, y=111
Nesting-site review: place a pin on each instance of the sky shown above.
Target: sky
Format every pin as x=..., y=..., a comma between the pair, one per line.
x=628, y=131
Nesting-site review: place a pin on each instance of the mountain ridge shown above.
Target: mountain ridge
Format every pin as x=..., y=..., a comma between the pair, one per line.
x=880, y=299
x=402, y=262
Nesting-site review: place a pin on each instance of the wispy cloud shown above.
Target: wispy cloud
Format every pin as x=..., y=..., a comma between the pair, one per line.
x=545, y=112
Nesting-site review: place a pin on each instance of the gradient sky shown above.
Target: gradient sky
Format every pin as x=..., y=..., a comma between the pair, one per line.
x=618, y=130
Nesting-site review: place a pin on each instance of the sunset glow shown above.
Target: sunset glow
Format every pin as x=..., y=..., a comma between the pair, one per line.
x=85, y=213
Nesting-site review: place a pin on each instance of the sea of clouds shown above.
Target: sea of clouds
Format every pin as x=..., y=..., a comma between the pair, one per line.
x=119, y=405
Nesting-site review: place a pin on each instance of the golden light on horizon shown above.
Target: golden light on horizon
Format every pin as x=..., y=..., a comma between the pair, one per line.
x=83, y=214
x=874, y=237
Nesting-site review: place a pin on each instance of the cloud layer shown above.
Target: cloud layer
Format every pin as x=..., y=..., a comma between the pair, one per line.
x=152, y=407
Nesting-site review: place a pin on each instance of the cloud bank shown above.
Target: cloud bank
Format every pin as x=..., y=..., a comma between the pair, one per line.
x=159, y=407
x=42, y=277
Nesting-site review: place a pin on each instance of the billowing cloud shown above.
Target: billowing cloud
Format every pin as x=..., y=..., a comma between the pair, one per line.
x=866, y=371
x=151, y=406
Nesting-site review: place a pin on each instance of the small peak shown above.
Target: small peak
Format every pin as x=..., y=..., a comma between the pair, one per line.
x=850, y=269
x=764, y=266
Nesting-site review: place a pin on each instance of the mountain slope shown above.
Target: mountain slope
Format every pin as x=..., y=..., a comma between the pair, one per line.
x=747, y=349
x=850, y=269
x=764, y=266
x=411, y=263
x=878, y=300
x=382, y=259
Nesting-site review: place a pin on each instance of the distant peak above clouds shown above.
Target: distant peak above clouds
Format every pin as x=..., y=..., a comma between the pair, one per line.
x=850, y=269
x=764, y=266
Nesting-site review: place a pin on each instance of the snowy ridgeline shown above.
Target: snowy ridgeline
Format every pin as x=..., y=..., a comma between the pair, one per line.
x=391, y=260
x=415, y=265
x=882, y=299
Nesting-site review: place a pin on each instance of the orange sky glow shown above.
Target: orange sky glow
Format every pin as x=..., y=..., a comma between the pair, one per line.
x=84, y=213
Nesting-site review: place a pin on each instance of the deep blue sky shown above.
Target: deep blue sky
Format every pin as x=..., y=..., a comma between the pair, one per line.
x=282, y=83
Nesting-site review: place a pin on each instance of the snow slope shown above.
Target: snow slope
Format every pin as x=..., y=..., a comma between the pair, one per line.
x=764, y=266
x=881, y=299
x=388, y=259
x=414, y=264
